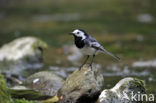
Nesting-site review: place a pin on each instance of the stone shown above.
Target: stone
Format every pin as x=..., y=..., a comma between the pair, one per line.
x=123, y=92
x=21, y=53
x=44, y=82
x=82, y=86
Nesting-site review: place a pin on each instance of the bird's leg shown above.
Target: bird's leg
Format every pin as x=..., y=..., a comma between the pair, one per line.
x=84, y=61
x=92, y=61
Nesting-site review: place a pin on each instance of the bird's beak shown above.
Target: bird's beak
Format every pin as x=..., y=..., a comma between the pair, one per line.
x=71, y=33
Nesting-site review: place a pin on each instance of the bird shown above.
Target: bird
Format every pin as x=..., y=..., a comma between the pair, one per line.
x=88, y=45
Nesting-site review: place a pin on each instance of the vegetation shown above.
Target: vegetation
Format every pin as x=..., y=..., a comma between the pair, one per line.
x=4, y=95
x=23, y=101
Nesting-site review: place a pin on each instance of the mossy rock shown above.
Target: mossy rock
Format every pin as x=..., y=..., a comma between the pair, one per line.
x=82, y=86
x=122, y=91
x=21, y=52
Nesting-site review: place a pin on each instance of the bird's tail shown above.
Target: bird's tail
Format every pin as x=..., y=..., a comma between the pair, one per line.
x=104, y=50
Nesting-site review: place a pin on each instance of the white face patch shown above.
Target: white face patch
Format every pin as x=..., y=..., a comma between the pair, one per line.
x=79, y=33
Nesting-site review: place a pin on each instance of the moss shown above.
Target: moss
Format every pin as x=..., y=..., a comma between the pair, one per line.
x=131, y=84
x=52, y=100
x=140, y=83
x=4, y=95
x=23, y=101
x=40, y=43
x=27, y=94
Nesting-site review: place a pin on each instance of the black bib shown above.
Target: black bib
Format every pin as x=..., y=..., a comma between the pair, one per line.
x=79, y=42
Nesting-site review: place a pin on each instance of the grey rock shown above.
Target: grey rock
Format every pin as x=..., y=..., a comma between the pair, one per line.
x=82, y=86
x=45, y=82
x=25, y=52
x=123, y=91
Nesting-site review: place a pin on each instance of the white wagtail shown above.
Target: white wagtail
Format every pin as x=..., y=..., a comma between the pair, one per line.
x=88, y=45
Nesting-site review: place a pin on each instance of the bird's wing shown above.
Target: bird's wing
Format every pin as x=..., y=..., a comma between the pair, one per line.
x=90, y=41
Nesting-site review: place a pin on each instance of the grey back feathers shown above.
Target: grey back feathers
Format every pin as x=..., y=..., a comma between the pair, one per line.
x=90, y=41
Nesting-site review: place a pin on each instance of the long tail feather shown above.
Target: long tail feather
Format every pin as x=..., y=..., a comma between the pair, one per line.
x=104, y=50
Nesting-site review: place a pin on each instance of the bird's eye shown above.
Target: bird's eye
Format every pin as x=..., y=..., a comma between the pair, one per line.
x=78, y=32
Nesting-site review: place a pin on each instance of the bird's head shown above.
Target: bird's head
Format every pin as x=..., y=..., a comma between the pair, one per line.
x=79, y=33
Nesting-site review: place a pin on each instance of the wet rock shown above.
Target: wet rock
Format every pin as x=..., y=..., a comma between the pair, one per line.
x=82, y=86
x=45, y=82
x=21, y=53
x=4, y=95
x=123, y=91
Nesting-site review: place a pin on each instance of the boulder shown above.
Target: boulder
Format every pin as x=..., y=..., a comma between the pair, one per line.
x=21, y=53
x=45, y=82
x=123, y=91
x=82, y=86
